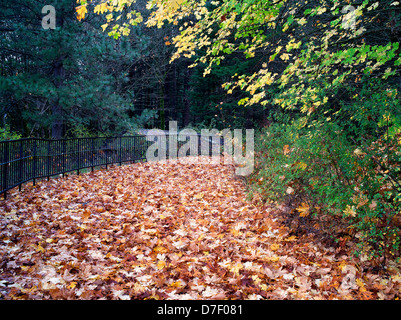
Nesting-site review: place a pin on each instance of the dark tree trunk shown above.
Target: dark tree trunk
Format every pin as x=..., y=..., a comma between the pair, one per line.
x=187, y=104
x=171, y=92
x=57, y=109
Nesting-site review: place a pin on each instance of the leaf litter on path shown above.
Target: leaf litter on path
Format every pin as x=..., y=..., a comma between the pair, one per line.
x=165, y=230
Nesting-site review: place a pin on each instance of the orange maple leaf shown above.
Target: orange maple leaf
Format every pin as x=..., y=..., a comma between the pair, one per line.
x=303, y=210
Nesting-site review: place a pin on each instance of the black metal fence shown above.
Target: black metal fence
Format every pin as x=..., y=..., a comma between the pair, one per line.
x=30, y=159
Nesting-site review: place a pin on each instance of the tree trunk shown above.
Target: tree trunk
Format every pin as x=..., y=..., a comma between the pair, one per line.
x=57, y=109
x=187, y=105
x=171, y=92
x=162, y=111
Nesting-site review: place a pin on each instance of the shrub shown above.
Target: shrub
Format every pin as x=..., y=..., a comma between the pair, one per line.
x=7, y=134
x=339, y=176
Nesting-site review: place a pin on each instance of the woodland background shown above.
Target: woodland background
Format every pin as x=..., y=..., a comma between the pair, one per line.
x=78, y=81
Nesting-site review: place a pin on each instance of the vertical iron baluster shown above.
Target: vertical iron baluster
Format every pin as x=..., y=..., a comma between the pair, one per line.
x=105, y=153
x=78, y=155
x=20, y=164
x=134, y=150
x=34, y=161
x=64, y=155
x=120, y=150
x=48, y=160
x=93, y=151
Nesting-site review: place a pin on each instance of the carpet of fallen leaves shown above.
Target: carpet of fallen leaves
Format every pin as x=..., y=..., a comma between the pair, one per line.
x=165, y=231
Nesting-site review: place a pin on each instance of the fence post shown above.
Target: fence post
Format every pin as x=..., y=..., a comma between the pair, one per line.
x=34, y=161
x=48, y=160
x=64, y=155
x=120, y=151
x=5, y=177
x=78, y=156
x=199, y=144
x=92, y=151
x=20, y=165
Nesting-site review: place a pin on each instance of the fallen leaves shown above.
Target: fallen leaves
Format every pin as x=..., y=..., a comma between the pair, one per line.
x=303, y=210
x=164, y=231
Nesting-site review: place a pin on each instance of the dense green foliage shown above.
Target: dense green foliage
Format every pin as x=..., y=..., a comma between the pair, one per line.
x=340, y=177
x=67, y=81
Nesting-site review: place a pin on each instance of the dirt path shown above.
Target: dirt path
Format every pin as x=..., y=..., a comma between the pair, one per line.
x=164, y=231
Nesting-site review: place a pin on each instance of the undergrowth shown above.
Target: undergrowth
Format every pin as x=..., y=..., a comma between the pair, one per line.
x=339, y=173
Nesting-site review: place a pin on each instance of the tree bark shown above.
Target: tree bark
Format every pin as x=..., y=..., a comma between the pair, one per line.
x=57, y=109
x=171, y=92
x=187, y=105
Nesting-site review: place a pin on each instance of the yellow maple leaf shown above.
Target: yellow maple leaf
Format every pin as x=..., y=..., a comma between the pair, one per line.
x=72, y=285
x=25, y=268
x=177, y=284
x=290, y=239
x=101, y=8
x=175, y=4
x=303, y=210
x=236, y=268
x=286, y=149
x=285, y=56
x=273, y=259
x=302, y=165
x=235, y=232
x=361, y=285
x=81, y=12
x=302, y=21
x=161, y=264
x=274, y=247
x=350, y=211
x=159, y=249
x=199, y=195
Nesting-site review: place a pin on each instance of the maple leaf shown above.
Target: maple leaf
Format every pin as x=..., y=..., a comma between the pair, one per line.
x=285, y=57
x=102, y=8
x=199, y=195
x=81, y=12
x=286, y=149
x=209, y=292
x=178, y=284
x=160, y=249
x=290, y=190
x=303, y=210
x=161, y=264
x=72, y=285
x=350, y=211
x=274, y=247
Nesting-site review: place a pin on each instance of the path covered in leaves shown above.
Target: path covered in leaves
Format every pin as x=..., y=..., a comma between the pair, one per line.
x=164, y=231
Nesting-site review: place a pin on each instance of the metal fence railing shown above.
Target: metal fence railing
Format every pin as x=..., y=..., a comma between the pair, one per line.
x=29, y=159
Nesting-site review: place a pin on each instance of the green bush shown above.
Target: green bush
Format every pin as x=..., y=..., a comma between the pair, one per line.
x=339, y=174
x=7, y=134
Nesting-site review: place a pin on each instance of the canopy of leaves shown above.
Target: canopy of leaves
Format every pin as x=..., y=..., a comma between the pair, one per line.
x=310, y=48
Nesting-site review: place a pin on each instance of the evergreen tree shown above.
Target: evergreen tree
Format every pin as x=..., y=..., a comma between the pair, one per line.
x=70, y=80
